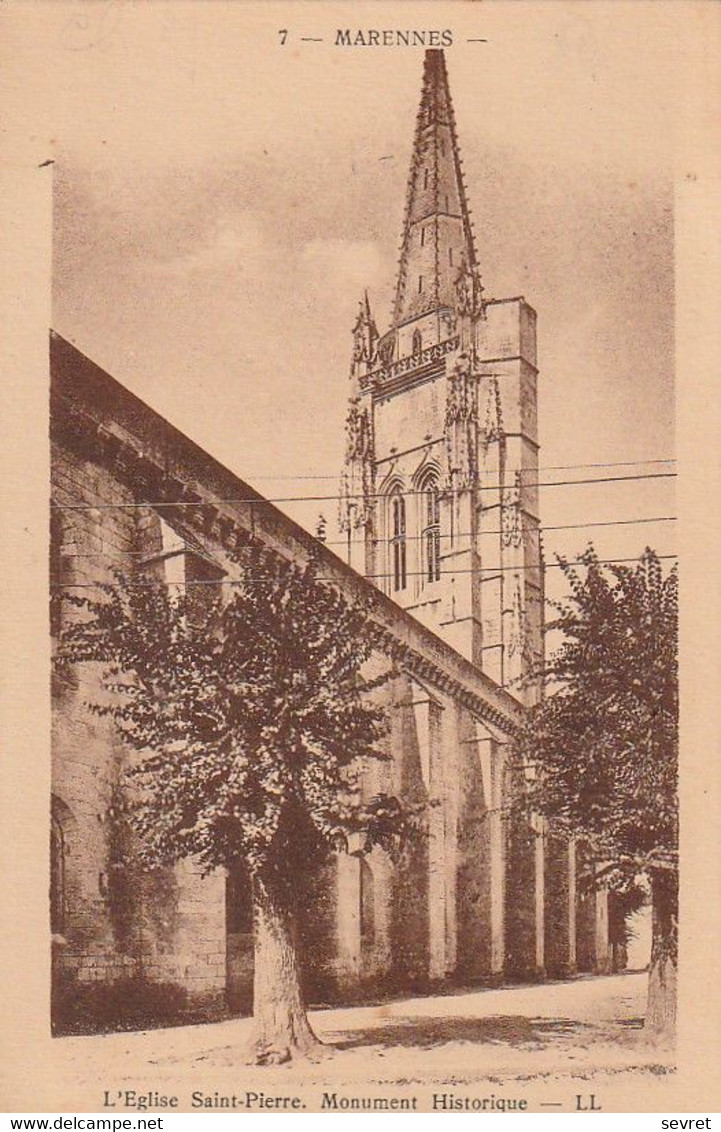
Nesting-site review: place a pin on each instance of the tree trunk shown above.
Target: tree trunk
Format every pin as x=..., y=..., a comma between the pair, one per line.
x=281, y=1030
x=661, y=1012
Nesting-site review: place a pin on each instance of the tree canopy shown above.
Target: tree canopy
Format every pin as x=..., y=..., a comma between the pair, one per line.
x=604, y=738
x=247, y=714
x=600, y=749
x=244, y=708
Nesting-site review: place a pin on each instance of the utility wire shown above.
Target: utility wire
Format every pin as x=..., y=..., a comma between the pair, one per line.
x=356, y=495
x=490, y=570
x=539, y=468
x=414, y=538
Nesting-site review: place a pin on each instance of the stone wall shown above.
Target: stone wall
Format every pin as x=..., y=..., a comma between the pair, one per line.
x=465, y=904
x=110, y=923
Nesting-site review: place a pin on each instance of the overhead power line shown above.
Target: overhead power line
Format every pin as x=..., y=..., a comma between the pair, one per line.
x=420, y=537
x=540, y=530
x=538, y=468
x=490, y=570
x=259, y=501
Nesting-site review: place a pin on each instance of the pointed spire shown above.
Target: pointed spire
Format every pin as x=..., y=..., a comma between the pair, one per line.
x=437, y=236
x=367, y=308
x=365, y=343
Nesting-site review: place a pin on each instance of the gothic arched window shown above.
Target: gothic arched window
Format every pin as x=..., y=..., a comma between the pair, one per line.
x=61, y=821
x=57, y=877
x=398, y=540
x=367, y=904
x=431, y=529
x=238, y=902
x=60, y=562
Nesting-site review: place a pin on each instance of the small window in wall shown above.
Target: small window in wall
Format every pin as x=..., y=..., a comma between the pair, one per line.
x=431, y=533
x=62, y=823
x=398, y=540
x=450, y=256
x=61, y=574
x=420, y=284
x=204, y=585
x=417, y=342
x=423, y=236
x=425, y=178
x=367, y=904
x=57, y=877
x=238, y=902
x=174, y=560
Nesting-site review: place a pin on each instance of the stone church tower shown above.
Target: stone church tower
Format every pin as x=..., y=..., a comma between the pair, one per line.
x=439, y=495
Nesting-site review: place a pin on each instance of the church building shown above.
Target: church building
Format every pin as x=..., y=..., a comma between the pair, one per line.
x=442, y=459
x=439, y=505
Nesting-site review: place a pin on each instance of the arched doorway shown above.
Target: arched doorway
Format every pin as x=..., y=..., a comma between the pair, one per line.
x=239, y=940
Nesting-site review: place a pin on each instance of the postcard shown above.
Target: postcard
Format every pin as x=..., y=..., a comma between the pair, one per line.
x=361, y=629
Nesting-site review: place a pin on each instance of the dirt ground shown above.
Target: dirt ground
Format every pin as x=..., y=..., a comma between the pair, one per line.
x=580, y=1030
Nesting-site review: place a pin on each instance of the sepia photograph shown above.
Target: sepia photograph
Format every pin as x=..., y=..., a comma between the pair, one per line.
x=361, y=558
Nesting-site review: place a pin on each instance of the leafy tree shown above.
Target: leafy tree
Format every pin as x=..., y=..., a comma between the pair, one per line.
x=248, y=725
x=604, y=742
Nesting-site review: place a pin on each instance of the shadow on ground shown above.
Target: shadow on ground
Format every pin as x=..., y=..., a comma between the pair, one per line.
x=426, y=1033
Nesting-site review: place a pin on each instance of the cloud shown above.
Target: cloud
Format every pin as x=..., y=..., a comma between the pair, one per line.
x=236, y=240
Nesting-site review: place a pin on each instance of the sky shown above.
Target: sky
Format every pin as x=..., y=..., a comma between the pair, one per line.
x=222, y=200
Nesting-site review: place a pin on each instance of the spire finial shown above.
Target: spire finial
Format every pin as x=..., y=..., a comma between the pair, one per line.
x=365, y=342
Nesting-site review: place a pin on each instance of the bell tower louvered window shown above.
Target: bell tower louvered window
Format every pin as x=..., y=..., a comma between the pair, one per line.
x=398, y=540
x=431, y=532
